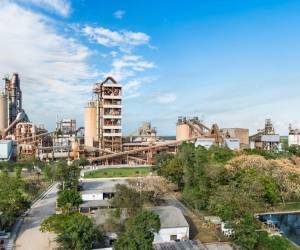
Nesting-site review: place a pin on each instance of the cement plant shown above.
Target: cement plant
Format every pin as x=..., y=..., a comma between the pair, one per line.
x=149, y=125
x=102, y=141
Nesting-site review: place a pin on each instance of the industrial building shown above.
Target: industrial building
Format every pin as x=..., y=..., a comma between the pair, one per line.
x=189, y=128
x=294, y=136
x=173, y=225
x=102, y=141
x=266, y=138
x=103, y=117
x=7, y=150
x=66, y=142
x=11, y=111
x=242, y=134
x=96, y=194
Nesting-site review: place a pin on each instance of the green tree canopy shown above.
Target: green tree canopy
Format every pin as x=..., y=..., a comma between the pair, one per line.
x=128, y=200
x=13, y=198
x=68, y=199
x=74, y=230
x=172, y=169
x=266, y=242
x=139, y=232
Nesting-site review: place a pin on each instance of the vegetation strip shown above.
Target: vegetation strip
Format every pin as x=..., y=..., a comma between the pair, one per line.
x=118, y=172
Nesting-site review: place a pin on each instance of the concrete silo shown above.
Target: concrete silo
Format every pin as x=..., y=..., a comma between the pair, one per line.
x=183, y=130
x=90, y=124
x=3, y=112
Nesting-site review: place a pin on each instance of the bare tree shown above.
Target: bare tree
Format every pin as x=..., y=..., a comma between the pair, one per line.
x=157, y=186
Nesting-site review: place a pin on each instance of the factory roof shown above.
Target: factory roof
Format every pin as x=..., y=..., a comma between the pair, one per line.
x=192, y=245
x=181, y=245
x=170, y=217
x=102, y=186
x=5, y=141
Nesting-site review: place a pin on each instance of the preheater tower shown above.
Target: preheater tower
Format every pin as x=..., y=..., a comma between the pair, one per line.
x=103, y=117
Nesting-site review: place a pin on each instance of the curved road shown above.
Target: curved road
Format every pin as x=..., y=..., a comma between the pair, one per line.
x=30, y=237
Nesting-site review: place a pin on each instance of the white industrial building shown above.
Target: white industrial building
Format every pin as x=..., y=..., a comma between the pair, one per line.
x=232, y=143
x=205, y=142
x=173, y=225
x=7, y=150
x=294, y=136
x=294, y=139
x=96, y=194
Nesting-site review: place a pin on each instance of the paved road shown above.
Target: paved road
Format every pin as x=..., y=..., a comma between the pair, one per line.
x=30, y=237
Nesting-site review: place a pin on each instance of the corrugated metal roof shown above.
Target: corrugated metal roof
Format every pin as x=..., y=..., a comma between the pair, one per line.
x=170, y=217
x=181, y=245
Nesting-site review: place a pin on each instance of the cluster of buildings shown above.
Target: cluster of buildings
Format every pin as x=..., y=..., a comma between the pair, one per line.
x=102, y=141
x=174, y=232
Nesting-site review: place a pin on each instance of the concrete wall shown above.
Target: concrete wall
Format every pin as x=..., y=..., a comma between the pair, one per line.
x=92, y=197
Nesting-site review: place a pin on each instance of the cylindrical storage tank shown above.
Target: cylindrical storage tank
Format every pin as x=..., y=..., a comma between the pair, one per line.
x=183, y=132
x=90, y=124
x=3, y=112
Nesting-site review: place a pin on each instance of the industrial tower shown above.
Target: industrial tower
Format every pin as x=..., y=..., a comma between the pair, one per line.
x=11, y=111
x=103, y=117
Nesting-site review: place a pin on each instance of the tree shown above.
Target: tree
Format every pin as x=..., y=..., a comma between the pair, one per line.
x=172, y=169
x=266, y=242
x=156, y=186
x=128, y=200
x=245, y=232
x=13, y=198
x=74, y=230
x=161, y=158
x=221, y=154
x=66, y=175
x=81, y=162
x=68, y=200
x=139, y=232
x=49, y=172
x=294, y=149
x=272, y=194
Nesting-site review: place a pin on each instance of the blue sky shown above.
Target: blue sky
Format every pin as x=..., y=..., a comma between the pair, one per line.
x=234, y=63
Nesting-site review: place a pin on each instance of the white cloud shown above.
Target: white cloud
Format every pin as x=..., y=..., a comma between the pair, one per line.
x=123, y=39
x=55, y=75
x=126, y=66
x=119, y=14
x=113, y=53
x=133, y=87
x=134, y=62
x=165, y=98
x=61, y=7
x=129, y=65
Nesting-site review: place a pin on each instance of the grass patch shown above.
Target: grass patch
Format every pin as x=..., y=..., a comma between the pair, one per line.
x=118, y=172
x=288, y=206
